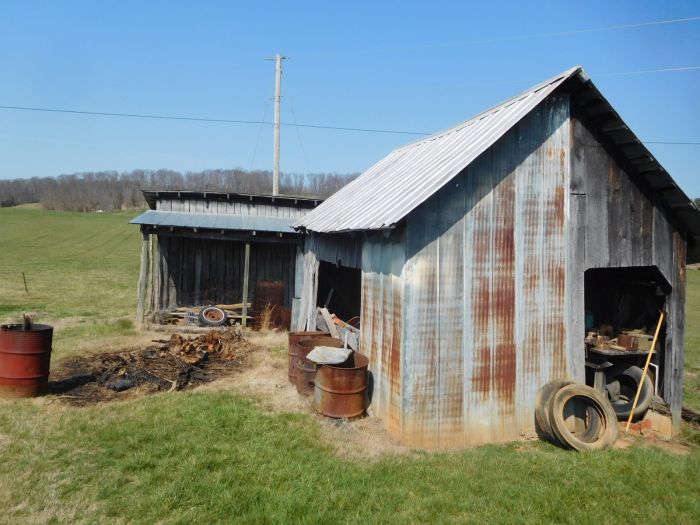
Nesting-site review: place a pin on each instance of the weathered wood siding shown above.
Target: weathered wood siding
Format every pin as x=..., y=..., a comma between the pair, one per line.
x=190, y=271
x=382, y=322
x=340, y=248
x=229, y=208
x=618, y=222
x=485, y=320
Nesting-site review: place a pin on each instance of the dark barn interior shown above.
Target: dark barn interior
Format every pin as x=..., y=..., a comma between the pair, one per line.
x=339, y=289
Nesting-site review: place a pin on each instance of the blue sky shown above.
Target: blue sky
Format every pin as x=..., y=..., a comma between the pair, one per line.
x=416, y=66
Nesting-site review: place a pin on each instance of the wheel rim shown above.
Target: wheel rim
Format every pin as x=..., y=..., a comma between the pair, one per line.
x=213, y=315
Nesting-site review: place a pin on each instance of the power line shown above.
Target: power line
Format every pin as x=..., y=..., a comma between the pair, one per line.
x=533, y=36
x=202, y=119
x=263, y=122
x=647, y=71
x=328, y=127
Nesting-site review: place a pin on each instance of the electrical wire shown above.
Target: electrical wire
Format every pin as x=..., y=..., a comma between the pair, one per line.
x=257, y=140
x=295, y=124
x=301, y=142
x=202, y=119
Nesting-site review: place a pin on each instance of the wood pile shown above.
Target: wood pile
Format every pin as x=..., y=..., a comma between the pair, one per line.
x=176, y=363
x=189, y=315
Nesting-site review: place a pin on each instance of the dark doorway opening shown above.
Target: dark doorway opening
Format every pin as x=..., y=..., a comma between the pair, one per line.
x=340, y=290
x=623, y=305
x=625, y=298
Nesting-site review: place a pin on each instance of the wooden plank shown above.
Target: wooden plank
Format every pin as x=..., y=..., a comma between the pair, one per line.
x=246, y=273
x=143, y=279
x=198, y=273
x=576, y=290
x=673, y=369
x=332, y=328
x=594, y=168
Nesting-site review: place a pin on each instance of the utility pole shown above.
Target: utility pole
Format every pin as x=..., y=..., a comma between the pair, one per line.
x=278, y=89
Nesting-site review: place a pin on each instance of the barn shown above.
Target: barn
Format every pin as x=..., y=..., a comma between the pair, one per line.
x=476, y=256
x=202, y=248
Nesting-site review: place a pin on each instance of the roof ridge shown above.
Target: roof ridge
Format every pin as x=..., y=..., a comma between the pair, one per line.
x=495, y=108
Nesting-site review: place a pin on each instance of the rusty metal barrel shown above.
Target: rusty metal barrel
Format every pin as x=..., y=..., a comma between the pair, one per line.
x=25, y=357
x=340, y=390
x=293, y=351
x=306, y=370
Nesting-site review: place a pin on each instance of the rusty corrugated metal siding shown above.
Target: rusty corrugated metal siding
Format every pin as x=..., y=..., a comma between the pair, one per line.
x=382, y=321
x=485, y=290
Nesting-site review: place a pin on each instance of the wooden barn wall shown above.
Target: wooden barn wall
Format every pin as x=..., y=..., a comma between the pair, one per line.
x=229, y=208
x=382, y=323
x=485, y=320
x=190, y=271
x=336, y=248
x=616, y=222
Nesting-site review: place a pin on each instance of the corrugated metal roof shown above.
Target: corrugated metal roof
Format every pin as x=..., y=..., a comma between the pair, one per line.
x=397, y=184
x=215, y=222
x=297, y=201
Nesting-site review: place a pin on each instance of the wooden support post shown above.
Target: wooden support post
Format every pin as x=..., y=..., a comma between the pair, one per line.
x=143, y=277
x=246, y=274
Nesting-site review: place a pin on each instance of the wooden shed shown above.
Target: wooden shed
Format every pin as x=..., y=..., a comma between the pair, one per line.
x=481, y=250
x=203, y=248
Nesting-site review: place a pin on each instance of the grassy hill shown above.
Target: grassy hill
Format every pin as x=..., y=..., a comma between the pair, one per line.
x=81, y=272
x=213, y=456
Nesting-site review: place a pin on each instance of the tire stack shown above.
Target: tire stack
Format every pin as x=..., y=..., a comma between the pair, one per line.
x=575, y=416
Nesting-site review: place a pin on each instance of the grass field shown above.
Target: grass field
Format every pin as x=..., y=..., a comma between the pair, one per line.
x=215, y=456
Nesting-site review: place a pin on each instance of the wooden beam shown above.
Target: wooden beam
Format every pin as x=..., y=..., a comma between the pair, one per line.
x=332, y=328
x=143, y=277
x=246, y=276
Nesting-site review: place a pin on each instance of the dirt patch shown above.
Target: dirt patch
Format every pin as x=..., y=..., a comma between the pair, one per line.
x=650, y=440
x=177, y=363
x=265, y=380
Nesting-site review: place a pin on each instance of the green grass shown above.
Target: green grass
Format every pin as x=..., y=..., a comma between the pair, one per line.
x=691, y=390
x=81, y=272
x=215, y=457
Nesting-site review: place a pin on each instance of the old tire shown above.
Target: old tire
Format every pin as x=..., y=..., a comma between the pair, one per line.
x=542, y=401
x=621, y=387
x=582, y=418
x=212, y=316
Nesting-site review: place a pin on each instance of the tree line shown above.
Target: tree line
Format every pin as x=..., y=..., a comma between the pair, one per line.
x=111, y=190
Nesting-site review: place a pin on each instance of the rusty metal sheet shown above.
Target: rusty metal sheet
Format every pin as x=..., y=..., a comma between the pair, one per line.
x=381, y=323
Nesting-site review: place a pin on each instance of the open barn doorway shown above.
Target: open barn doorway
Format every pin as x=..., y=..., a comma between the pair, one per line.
x=340, y=290
x=622, y=308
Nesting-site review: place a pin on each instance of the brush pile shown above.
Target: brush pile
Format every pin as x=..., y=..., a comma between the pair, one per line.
x=174, y=364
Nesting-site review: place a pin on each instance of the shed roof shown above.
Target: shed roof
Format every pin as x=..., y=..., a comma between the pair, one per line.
x=296, y=201
x=388, y=191
x=215, y=222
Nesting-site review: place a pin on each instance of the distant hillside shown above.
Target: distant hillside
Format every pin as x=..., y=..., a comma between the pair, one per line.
x=110, y=190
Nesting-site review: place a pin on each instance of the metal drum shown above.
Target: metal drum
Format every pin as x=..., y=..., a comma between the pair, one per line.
x=25, y=356
x=306, y=369
x=340, y=390
x=293, y=351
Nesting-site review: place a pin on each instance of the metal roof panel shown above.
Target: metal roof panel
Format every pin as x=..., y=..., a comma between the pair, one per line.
x=215, y=222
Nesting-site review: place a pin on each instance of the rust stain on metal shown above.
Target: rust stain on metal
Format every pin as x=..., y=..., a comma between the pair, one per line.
x=340, y=391
x=503, y=312
x=559, y=204
x=394, y=423
x=293, y=351
x=306, y=370
x=482, y=300
x=25, y=357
